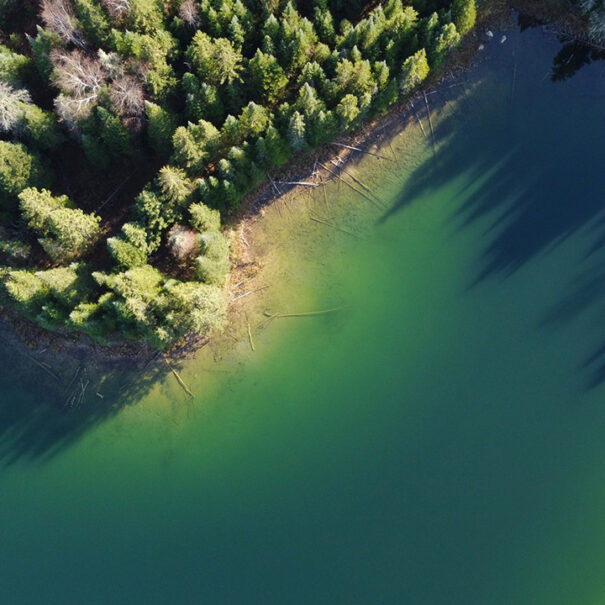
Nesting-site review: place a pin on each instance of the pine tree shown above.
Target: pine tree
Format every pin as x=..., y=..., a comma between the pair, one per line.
x=216, y=61
x=464, y=15
x=129, y=248
x=67, y=232
x=14, y=68
x=297, y=132
x=174, y=186
x=448, y=39
x=40, y=128
x=266, y=79
x=93, y=20
x=204, y=218
x=161, y=125
x=19, y=169
x=415, y=70
x=348, y=111
x=195, y=145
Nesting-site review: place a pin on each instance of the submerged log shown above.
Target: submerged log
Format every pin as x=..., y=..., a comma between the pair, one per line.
x=341, y=180
x=179, y=380
x=428, y=111
x=318, y=220
x=380, y=157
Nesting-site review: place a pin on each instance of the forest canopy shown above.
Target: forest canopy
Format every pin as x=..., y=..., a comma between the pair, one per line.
x=189, y=102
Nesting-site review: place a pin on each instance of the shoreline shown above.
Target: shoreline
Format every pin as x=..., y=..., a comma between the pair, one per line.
x=246, y=265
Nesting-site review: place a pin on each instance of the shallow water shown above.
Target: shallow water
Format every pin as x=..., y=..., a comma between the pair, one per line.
x=439, y=440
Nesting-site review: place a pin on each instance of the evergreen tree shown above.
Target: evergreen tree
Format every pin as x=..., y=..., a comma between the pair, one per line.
x=195, y=145
x=464, y=15
x=129, y=248
x=448, y=39
x=174, y=186
x=14, y=68
x=204, y=219
x=40, y=128
x=67, y=232
x=266, y=78
x=19, y=169
x=216, y=61
x=297, y=132
x=348, y=111
x=93, y=20
x=161, y=125
x=415, y=70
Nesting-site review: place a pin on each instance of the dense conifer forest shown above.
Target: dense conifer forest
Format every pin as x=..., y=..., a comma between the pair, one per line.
x=130, y=127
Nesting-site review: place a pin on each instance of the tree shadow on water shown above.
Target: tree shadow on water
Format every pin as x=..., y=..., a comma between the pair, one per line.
x=521, y=156
x=48, y=401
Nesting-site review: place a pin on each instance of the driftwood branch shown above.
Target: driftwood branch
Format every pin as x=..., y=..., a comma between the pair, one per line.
x=179, y=380
x=318, y=220
x=380, y=157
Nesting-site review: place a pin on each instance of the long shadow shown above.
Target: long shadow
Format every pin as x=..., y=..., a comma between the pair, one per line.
x=49, y=401
x=521, y=149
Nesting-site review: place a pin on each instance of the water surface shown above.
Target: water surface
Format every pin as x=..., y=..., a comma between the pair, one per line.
x=440, y=440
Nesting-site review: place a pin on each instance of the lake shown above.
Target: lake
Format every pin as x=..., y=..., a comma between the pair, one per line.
x=439, y=439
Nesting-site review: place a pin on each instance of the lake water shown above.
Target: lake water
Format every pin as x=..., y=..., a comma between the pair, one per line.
x=439, y=440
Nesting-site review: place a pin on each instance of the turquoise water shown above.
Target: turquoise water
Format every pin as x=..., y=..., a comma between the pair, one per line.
x=439, y=440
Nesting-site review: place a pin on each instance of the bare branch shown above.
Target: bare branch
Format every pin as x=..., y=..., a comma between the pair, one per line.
x=189, y=14
x=116, y=8
x=11, y=106
x=126, y=94
x=78, y=74
x=58, y=17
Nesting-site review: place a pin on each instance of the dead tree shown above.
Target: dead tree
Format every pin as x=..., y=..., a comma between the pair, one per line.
x=58, y=16
x=116, y=8
x=80, y=79
x=189, y=14
x=127, y=97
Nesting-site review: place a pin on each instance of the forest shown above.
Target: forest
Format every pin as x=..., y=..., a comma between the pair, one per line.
x=131, y=128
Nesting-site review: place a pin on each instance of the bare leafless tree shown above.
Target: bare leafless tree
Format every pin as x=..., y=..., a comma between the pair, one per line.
x=127, y=97
x=81, y=79
x=116, y=8
x=78, y=74
x=58, y=16
x=12, y=108
x=188, y=13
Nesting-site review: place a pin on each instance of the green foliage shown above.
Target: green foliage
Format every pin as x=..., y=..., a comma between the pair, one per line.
x=93, y=20
x=42, y=45
x=219, y=92
x=195, y=145
x=415, y=70
x=464, y=15
x=204, y=218
x=174, y=186
x=161, y=125
x=266, y=78
x=14, y=68
x=19, y=169
x=129, y=248
x=212, y=266
x=447, y=39
x=66, y=232
x=216, y=61
x=348, y=111
x=40, y=128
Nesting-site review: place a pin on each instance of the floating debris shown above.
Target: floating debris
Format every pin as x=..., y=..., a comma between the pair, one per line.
x=489, y=33
x=503, y=40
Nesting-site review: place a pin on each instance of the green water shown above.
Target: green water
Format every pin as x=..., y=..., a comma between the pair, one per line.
x=439, y=440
